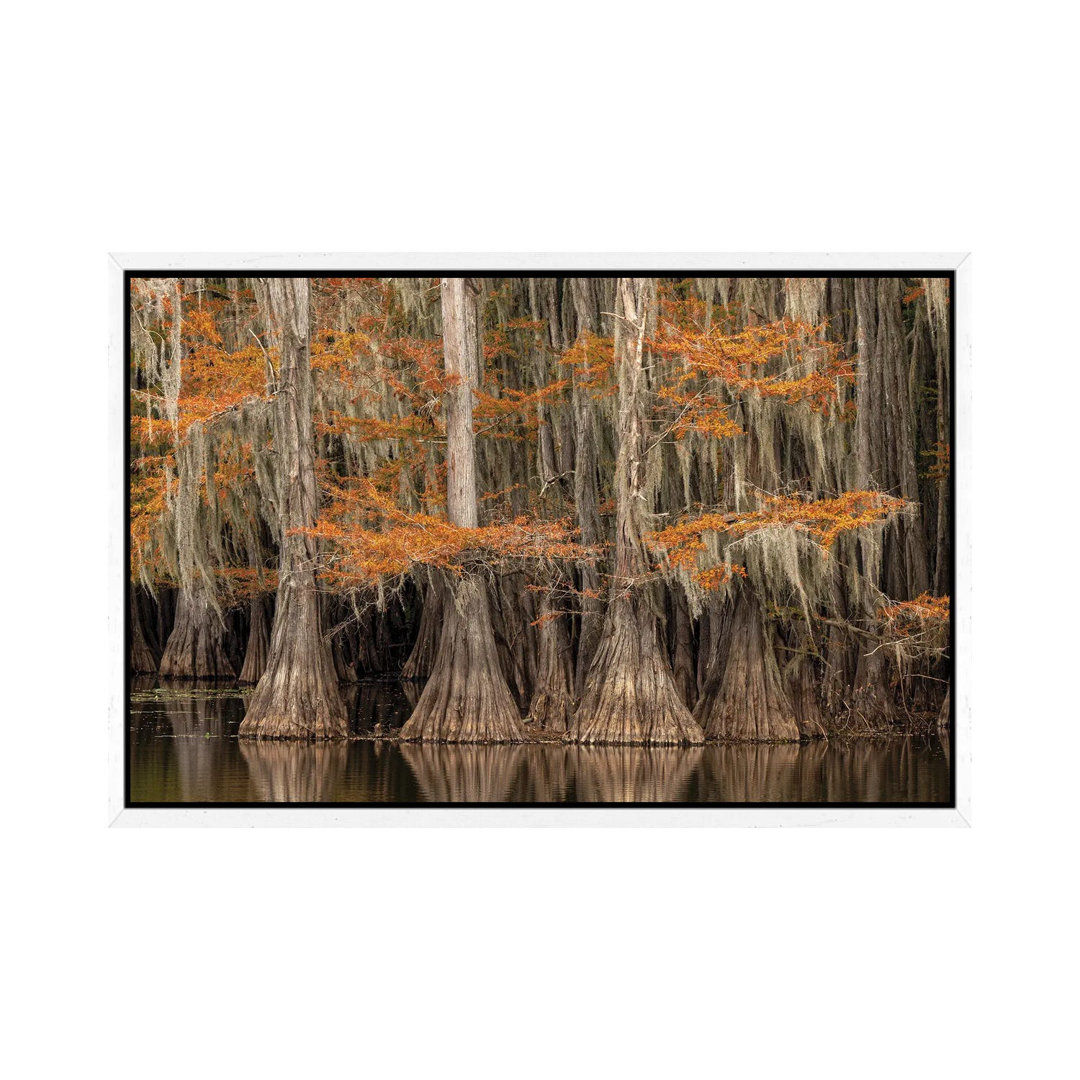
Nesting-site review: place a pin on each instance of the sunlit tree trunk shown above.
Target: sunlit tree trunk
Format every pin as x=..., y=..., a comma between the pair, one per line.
x=586, y=492
x=297, y=696
x=466, y=699
x=630, y=694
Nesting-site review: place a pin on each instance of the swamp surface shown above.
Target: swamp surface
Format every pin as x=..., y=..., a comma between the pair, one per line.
x=183, y=749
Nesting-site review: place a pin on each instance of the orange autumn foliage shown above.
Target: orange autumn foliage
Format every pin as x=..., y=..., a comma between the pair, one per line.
x=908, y=616
x=823, y=520
x=714, y=356
x=592, y=360
x=369, y=538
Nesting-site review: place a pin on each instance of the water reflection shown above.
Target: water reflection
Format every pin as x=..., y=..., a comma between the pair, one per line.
x=295, y=772
x=635, y=774
x=462, y=773
x=755, y=772
x=183, y=749
x=378, y=703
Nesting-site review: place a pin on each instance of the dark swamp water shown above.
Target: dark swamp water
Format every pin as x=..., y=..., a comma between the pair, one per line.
x=183, y=749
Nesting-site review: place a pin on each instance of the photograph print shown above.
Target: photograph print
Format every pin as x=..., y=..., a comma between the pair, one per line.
x=539, y=539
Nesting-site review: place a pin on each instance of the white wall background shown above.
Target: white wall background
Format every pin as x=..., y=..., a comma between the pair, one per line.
x=558, y=126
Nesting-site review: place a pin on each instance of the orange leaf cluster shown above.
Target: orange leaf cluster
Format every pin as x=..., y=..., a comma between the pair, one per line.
x=908, y=615
x=394, y=542
x=822, y=519
x=511, y=340
x=517, y=405
x=736, y=361
x=372, y=429
x=592, y=359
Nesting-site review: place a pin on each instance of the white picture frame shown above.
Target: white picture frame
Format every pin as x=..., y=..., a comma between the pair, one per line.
x=382, y=816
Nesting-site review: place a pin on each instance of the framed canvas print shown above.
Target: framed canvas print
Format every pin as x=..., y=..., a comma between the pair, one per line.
x=540, y=539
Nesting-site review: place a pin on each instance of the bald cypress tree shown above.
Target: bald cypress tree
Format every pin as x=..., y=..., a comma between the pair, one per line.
x=630, y=693
x=466, y=698
x=297, y=695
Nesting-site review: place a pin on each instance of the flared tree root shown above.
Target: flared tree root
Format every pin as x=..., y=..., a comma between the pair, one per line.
x=744, y=700
x=466, y=699
x=630, y=694
x=196, y=646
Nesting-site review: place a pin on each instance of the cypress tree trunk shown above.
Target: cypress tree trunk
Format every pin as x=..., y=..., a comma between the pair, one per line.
x=586, y=493
x=553, y=702
x=466, y=699
x=515, y=638
x=682, y=659
x=744, y=698
x=297, y=696
x=422, y=658
x=885, y=456
x=344, y=666
x=196, y=646
x=258, y=642
x=942, y=726
x=630, y=693
x=937, y=303
x=142, y=660
x=804, y=692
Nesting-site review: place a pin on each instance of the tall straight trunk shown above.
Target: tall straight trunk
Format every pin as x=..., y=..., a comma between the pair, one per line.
x=630, y=694
x=937, y=302
x=885, y=430
x=884, y=457
x=586, y=492
x=466, y=699
x=297, y=696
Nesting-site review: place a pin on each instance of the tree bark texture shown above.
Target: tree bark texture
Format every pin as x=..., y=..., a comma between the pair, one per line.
x=466, y=699
x=630, y=695
x=196, y=646
x=745, y=698
x=258, y=642
x=297, y=696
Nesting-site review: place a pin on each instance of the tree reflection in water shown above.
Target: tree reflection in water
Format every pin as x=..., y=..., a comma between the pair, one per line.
x=463, y=772
x=637, y=774
x=294, y=771
x=755, y=772
x=183, y=749
x=546, y=774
